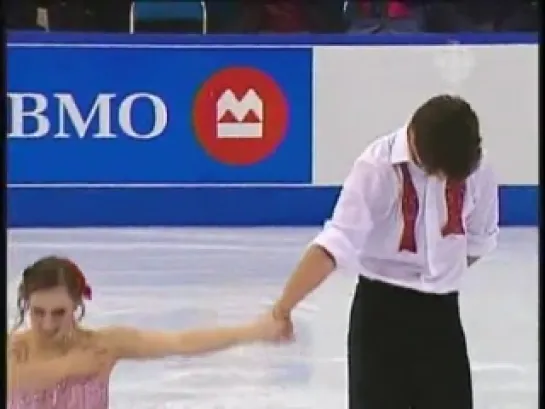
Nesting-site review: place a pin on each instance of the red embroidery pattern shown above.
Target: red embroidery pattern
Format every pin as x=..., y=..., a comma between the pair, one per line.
x=409, y=209
x=454, y=197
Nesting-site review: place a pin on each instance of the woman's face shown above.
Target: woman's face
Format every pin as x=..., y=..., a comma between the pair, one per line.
x=51, y=313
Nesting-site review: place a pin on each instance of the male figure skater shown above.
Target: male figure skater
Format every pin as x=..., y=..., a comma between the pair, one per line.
x=417, y=209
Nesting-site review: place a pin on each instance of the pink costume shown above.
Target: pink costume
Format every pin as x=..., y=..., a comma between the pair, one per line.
x=89, y=393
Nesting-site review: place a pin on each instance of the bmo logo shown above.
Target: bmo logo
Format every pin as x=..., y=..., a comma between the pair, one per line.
x=239, y=119
x=240, y=116
x=109, y=116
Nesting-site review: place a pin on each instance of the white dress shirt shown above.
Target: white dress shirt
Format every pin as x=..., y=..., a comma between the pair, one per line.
x=364, y=232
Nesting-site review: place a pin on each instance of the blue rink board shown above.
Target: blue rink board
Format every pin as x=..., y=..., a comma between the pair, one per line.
x=208, y=206
x=277, y=205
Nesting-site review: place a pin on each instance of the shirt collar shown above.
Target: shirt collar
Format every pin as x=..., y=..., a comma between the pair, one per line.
x=400, y=148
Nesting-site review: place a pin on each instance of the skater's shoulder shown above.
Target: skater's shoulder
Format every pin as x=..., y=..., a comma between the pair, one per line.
x=373, y=166
x=380, y=150
x=377, y=156
x=18, y=337
x=18, y=345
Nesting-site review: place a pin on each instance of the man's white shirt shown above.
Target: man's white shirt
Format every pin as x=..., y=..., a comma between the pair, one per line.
x=365, y=229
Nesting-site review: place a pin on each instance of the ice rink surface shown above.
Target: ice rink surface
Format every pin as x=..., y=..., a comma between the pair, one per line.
x=180, y=278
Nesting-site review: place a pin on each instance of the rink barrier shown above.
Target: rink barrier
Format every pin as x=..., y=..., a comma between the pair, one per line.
x=207, y=206
x=204, y=193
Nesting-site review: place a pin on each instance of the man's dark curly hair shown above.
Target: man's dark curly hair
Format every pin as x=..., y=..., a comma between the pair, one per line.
x=447, y=137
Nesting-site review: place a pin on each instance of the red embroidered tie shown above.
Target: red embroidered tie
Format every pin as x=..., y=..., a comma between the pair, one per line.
x=454, y=196
x=409, y=209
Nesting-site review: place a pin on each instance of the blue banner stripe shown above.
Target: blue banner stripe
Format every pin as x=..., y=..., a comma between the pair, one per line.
x=201, y=206
x=283, y=40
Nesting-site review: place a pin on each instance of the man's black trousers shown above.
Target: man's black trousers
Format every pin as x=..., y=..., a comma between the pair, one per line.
x=406, y=350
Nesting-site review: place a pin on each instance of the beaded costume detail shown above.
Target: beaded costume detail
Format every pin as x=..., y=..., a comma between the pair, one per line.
x=89, y=393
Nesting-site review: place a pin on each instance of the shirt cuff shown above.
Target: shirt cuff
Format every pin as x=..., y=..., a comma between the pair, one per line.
x=337, y=244
x=479, y=246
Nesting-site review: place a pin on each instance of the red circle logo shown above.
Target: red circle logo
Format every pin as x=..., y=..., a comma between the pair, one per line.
x=240, y=116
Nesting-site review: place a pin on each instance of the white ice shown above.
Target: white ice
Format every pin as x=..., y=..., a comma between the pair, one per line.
x=179, y=278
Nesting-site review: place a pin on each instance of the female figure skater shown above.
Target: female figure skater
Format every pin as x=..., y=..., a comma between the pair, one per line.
x=59, y=364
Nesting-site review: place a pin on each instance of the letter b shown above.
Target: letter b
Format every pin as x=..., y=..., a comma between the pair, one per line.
x=20, y=115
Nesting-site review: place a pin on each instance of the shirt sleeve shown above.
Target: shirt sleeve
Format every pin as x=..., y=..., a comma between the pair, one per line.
x=359, y=205
x=483, y=221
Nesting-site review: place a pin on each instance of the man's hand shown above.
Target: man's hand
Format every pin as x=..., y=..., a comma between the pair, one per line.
x=284, y=316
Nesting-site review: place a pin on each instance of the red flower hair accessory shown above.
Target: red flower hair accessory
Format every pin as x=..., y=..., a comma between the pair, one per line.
x=85, y=289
